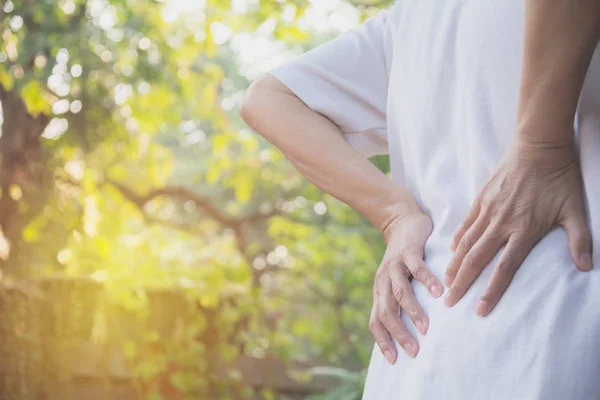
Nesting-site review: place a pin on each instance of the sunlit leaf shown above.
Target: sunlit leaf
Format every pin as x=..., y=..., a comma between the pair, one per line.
x=33, y=96
x=6, y=80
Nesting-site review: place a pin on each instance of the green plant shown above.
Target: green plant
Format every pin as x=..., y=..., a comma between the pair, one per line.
x=350, y=388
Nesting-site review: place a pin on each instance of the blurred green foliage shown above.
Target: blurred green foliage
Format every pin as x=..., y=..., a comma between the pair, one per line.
x=123, y=158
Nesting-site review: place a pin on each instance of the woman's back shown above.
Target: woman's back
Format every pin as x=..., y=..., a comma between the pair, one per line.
x=437, y=84
x=452, y=110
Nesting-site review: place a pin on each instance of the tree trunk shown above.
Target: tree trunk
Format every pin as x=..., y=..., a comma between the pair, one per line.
x=23, y=172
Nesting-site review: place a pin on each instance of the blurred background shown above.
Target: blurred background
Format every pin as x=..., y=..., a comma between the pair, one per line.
x=152, y=246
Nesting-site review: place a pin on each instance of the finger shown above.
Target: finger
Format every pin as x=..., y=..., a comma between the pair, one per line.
x=420, y=272
x=473, y=263
x=513, y=255
x=381, y=335
x=401, y=291
x=580, y=240
x=388, y=315
x=466, y=224
x=465, y=245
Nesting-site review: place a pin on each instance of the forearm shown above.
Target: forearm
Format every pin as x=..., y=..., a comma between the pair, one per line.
x=316, y=147
x=559, y=40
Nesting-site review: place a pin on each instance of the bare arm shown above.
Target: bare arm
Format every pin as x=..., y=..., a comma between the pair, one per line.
x=318, y=149
x=538, y=183
x=559, y=40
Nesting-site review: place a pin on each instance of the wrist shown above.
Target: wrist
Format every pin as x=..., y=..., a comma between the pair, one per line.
x=541, y=154
x=396, y=213
x=547, y=107
x=548, y=133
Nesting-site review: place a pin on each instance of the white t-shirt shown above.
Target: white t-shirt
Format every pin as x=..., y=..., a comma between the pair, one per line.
x=436, y=84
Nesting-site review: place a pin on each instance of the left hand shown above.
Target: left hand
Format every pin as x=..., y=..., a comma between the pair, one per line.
x=393, y=293
x=535, y=187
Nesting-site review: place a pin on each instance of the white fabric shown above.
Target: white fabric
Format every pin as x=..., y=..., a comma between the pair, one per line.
x=440, y=81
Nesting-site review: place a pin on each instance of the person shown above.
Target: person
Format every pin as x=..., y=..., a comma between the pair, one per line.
x=490, y=112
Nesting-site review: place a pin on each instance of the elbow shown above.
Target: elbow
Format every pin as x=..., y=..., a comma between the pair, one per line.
x=254, y=102
x=247, y=105
x=261, y=100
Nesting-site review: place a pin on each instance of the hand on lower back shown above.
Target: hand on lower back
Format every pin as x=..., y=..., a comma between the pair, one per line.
x=393, y=292
x=534, y=188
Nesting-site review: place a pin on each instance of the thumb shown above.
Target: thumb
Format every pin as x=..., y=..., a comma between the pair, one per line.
x=580, y=240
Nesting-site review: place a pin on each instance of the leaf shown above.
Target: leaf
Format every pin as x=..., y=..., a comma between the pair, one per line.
x=210, y=95
x=210, y=48
x=221, y=142
x=6, y=79
x=243, y=190
x=129, y=349
x=212, y=175
x=344, y=391
x=329, y=371
x=290, y=34
x=33, y=97
x=155, y=396
x=213, y=71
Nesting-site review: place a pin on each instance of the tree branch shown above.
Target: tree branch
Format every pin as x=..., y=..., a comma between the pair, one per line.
x=236, y=224
x=185, y=194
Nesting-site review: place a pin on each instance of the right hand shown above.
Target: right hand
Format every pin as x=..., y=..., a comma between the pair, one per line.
x=536, y=186
x=393, y=292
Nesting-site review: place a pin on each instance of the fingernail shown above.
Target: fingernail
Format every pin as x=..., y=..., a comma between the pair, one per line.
x=585, y=259
x=482, y=308
x=449, y=300
x=389, y=356
x=436, y=290
x=421, y=326
x=411, y=349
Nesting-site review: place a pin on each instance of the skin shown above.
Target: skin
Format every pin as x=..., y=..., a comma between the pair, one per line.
x=560, y=34
x=537, y=185
x=307, y=138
